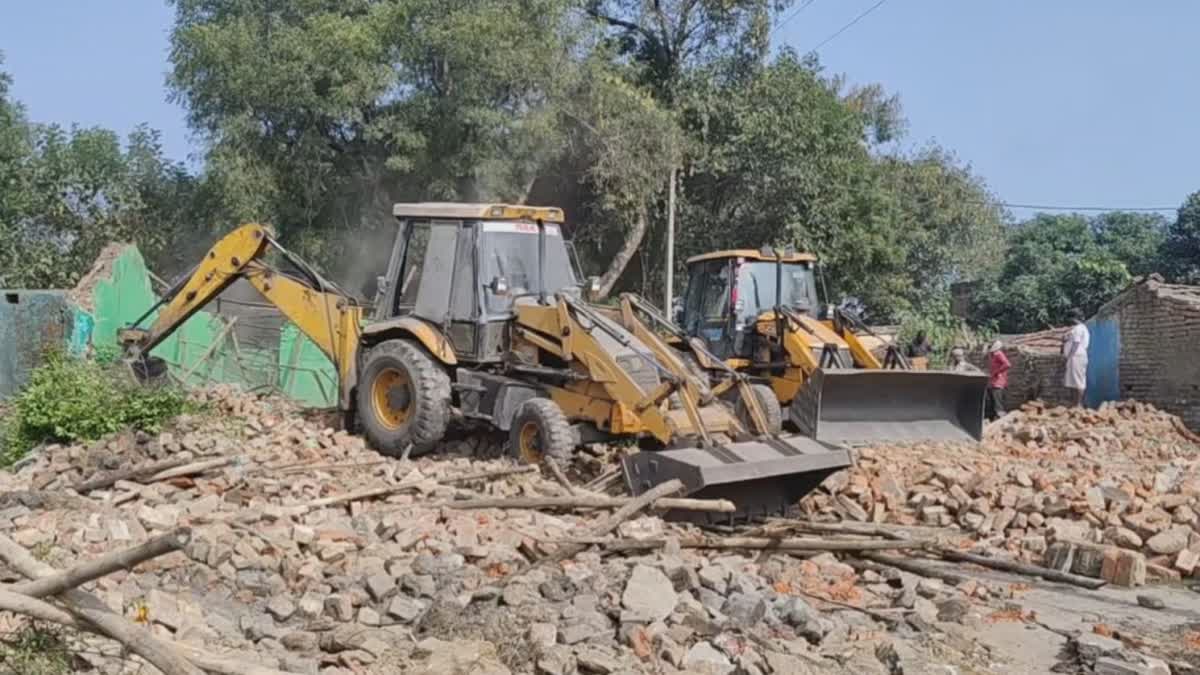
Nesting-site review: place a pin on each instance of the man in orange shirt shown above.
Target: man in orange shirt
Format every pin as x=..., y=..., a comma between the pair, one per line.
x=997, y=381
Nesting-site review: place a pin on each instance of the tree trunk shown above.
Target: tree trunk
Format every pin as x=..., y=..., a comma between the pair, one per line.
x=632, y=242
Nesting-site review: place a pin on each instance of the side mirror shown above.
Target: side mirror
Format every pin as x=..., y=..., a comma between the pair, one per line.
x=499, y=286
x=591, y=289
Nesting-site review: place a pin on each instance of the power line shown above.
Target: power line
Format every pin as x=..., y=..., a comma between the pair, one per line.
x=1048, y=207
x=782, y=22
x=845, y=28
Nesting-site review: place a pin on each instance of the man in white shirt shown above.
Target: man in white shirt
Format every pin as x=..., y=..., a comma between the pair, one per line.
x=1075, y=349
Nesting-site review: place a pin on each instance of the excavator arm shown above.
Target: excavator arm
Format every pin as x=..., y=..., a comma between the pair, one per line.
x=329, y=317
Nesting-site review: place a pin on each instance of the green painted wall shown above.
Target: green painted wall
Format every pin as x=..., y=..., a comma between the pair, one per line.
x=297, y=368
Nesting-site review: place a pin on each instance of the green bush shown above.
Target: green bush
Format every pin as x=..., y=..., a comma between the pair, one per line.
x=69, y=400
x=944, y=330
x=36, y=650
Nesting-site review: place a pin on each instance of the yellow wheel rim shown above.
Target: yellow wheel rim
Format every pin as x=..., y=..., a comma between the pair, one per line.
x=529, y=444
x=392, y=397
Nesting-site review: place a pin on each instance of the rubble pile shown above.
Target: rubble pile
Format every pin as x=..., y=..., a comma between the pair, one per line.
x=313, y=554
x=1110, y=493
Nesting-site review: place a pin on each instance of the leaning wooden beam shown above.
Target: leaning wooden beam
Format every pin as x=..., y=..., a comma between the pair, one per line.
x=232, y=663
x=129, y=473
x=89, y=608
x=752, y=544
x=559, y=475
x=635, y=505
x=1022, y=568
x=589, y=502
x=102, y=566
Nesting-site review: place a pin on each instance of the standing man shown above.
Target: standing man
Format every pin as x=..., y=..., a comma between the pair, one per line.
x=918, y=351
x=959, y=362
x=998, y=367
x=1075, y=349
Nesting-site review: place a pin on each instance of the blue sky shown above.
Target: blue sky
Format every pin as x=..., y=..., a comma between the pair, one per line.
x=1075, y=102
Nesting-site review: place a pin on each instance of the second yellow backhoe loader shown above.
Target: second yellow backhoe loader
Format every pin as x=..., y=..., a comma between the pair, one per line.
x=757, y=311
x=482, y=311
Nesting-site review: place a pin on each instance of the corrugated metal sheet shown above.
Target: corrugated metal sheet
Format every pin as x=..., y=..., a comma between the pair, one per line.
x=31, y=322
x=1104, y=357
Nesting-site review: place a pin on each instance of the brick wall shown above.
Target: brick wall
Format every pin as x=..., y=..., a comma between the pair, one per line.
x=1160, y=348
x=1034, y=375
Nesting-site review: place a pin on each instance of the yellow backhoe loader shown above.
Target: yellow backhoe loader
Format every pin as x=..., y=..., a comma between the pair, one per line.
x=757, y=312
x=481, y=310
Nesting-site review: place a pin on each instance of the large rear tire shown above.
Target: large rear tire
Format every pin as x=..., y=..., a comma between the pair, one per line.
x=403, y=397
x=769, y=405
x=540, y=430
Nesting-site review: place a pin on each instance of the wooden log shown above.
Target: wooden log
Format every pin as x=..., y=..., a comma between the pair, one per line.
x=557, y=472
x=131, y=473
x=230, y=663
x=1022, y=568
x=375, y=493
x=103, y=566
x=898, y=532
x=751, y=544
x=88, y=607
x=192, y=469
x=589, y=502
x=622, y=514
x=874, y=560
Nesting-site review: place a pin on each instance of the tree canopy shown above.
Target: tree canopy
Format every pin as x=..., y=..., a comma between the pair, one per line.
x=316, y=115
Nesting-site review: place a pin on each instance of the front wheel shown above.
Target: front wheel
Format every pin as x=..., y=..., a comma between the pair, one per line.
x=769, y=405
x=403, y=397
x=540, y=430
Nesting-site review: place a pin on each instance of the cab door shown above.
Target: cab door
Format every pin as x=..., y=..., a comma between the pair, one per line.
x=708, y=305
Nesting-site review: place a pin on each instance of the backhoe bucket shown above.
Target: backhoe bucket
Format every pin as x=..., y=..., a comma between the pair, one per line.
x=890, y=406
x=762, y=478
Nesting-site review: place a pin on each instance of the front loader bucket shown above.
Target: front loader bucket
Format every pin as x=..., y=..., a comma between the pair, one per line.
x=890, y=406
x=761, y=478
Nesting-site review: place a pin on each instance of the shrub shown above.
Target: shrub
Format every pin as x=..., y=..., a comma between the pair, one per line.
x=36, y=650
x=68, y=400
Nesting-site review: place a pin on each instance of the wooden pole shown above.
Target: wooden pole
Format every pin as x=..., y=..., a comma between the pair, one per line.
x=590, y=502
x=670, y=291
x=88, y=607
x=108, y=480
x=1022, y=568
x=191, y=469
x=753, y=544
x=103, y=566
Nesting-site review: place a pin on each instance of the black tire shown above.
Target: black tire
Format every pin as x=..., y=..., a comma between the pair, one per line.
x=539, y=430
x=770, y=407
x=403, y=397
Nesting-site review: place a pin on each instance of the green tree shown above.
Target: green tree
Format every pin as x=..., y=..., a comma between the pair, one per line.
x=1133, y=238
x=1181, y=249
x=1054, y=264
x=319, y=114
x=66, y=193
x=668, y=39
x=785, y=157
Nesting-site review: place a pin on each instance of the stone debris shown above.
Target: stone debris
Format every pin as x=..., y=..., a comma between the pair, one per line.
x=401, y=583
x=1051, y=486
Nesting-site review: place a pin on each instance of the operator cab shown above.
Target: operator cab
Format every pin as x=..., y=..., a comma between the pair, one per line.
x=728, y=290
x=462, y=267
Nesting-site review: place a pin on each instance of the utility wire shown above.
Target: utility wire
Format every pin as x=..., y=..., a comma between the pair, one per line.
x=845, y=28
x=782, y=22
x=1048, y=207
